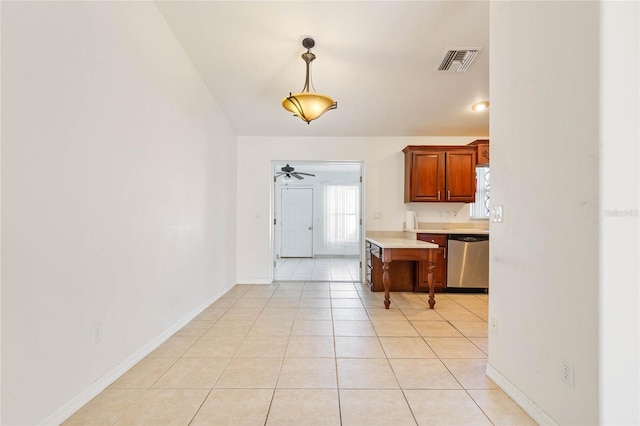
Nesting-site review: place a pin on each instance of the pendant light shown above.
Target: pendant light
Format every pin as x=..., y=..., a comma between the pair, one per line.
x=308, y=105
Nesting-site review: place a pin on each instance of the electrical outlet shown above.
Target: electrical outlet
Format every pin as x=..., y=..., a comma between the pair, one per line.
x=493, y=325
x=567, y=372
x=96, y=334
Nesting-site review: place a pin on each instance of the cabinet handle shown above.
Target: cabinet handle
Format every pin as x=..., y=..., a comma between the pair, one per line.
x=438, y=195
x=448, y=195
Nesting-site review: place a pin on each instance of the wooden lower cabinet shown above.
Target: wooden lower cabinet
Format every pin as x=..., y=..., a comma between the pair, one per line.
x=401, y=272
x=440, y=272
x=368, y=260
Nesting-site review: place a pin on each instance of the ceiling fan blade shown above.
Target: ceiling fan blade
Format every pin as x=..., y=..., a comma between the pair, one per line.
x=295, y=175
x=306, y=174
x=279, y=174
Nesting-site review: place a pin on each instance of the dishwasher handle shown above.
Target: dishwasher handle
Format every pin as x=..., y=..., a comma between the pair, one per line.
x=469, y=238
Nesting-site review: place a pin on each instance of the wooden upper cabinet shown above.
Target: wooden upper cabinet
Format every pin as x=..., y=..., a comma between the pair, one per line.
x=461, y=176
x=483, y=153
x=426, y=173
x=482, y=145
x=439, y=174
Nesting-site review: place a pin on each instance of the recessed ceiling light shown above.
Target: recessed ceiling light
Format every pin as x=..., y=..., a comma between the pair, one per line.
x=480, y=106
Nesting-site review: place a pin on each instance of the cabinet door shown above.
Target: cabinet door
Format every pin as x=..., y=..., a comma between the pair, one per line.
x=483, y=153
x=440, y=271
x=427, y=172
x=461, y=176
x=439, y=274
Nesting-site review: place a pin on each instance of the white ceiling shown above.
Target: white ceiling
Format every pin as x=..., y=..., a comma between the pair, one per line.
x=377, y=59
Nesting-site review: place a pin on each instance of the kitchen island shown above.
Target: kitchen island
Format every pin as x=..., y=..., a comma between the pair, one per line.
x=388, y=249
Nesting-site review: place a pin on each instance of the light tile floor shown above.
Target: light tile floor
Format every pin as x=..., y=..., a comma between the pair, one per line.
x=316, y=353
x=338, y=268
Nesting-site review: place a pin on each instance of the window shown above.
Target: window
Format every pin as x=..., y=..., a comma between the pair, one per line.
x=341, y=212
x=480, y=209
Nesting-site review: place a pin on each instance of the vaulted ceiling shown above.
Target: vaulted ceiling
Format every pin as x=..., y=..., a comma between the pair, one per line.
x=377, y=59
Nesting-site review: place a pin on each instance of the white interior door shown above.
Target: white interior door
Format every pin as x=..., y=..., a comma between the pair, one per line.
x=296, y=223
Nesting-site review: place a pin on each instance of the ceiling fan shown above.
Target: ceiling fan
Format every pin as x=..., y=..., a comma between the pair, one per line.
x=288, y=172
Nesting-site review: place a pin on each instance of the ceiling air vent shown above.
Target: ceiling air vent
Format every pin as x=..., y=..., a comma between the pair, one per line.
x=458, y=60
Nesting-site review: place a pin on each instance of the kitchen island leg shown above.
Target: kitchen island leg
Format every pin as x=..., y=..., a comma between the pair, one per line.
x=386, y=284
x=429, y=255
x=432, y=257
x=431, y=282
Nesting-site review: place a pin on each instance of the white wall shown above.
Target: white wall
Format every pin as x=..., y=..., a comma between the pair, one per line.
x=383, y=186
x=546, y=130
x=113, y=210
x=619, y=207
x=0, y=216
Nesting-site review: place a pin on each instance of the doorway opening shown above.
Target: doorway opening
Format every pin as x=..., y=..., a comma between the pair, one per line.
x=318, y=226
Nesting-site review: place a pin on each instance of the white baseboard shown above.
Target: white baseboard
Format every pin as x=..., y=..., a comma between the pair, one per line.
x=521, y=399
x=255, y=281
x=64, y=412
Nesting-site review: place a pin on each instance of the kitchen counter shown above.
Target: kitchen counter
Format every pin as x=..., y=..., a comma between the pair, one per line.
x=437, y=229
x=396, y=242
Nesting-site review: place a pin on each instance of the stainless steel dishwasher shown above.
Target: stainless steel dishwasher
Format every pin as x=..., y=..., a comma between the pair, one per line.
x=468, y=261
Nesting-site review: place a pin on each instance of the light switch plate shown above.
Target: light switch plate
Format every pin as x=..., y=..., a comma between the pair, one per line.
x=496, y=214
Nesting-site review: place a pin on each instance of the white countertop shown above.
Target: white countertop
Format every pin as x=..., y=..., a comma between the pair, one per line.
x=396, y=242
x=440, y=230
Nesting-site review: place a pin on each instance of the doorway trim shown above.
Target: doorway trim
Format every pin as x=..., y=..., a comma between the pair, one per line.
x=275, y=164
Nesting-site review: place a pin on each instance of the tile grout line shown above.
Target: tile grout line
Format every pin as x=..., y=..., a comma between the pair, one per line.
x=335, y=356
x=366, y=304
x=255, y=321
x=462, y=386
